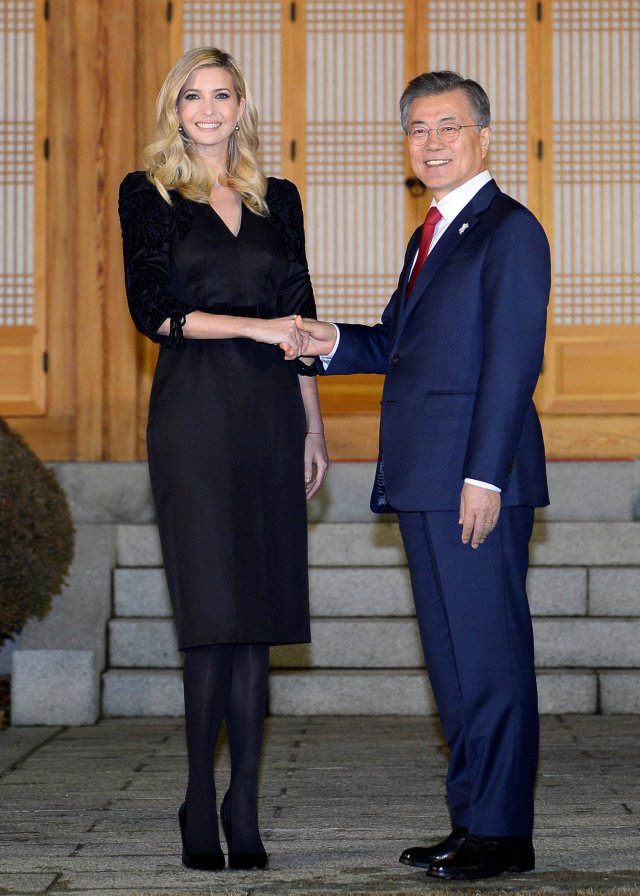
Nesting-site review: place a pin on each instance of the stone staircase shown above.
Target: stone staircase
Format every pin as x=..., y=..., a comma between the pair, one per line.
x=365, y=657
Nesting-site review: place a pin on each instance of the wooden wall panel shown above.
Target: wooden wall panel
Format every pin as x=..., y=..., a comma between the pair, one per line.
x=106, y=59
x=594, y=337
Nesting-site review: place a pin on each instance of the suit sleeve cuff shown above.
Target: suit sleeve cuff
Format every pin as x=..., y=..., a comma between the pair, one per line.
x=326, y=359
x=492, y=488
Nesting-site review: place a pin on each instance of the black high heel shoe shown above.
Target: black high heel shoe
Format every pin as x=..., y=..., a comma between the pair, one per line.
x=199, y=861
x=240, y=861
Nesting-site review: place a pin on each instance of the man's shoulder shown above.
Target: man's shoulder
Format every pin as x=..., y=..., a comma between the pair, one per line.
x=503, y=207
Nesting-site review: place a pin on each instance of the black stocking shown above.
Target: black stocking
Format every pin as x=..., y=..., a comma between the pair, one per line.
x=245, y=724
x=207, y=682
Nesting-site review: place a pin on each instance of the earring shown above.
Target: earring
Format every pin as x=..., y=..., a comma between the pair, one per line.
x=237, y=127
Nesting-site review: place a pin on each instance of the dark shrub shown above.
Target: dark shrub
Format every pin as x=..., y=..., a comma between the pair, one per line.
x=36, y=534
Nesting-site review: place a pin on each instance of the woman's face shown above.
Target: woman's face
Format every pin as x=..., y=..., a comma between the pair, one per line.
x=208, y=109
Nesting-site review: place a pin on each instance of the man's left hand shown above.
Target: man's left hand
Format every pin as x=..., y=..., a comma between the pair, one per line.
x=479, y=512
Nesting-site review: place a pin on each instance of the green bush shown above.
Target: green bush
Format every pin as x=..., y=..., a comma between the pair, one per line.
x=36, y=535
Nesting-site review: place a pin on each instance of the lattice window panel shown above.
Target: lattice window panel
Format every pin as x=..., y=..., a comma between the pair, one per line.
x=16, y=163
x=250, y=31
x=596, y=126
x=487, y=41
x=355, y=176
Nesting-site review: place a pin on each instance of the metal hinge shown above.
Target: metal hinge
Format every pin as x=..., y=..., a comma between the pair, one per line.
x=169, y=12
x=292, y=11
x=45, y=361
x=539, y=11
x=45, y=10
x=292, y=150
x=540, y=149
x=45, y=148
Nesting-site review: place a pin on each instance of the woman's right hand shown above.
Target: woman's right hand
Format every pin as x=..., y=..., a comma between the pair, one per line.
x=280, y=331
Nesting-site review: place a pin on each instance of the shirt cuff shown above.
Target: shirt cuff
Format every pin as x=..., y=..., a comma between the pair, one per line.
x=492, y=488
x=326, y=359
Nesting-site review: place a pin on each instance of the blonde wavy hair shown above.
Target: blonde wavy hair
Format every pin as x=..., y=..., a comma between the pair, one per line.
x=172, y=163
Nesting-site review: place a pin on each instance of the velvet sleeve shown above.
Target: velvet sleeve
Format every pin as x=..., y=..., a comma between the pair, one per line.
x=148, y=225
x=285, y=208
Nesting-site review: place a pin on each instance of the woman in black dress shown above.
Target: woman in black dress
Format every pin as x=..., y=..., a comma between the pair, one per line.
x=215, y=271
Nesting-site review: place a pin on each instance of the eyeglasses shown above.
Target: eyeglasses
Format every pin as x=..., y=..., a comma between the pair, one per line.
x=420, y=135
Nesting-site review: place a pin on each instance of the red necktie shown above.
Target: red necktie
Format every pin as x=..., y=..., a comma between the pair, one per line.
x=428, y=228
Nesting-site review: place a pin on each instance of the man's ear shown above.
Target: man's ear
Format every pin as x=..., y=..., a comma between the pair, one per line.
x=485, y=139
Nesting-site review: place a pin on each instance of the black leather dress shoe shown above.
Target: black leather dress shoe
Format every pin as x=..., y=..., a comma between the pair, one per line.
x=480, y=857
x=423, y=856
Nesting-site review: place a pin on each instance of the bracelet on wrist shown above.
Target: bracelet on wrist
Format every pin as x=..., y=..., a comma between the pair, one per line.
x=306, y=369
x=310, y=432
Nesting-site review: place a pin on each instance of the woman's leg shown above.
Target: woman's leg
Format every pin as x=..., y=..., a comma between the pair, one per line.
x=245, y=715
x=207, y=681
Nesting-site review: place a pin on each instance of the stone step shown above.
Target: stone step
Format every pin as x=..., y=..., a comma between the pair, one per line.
x=388, y=643
x=322, y=692
x=614, y=592
x=154, y=692
x=363, y=591
x=379, y=544
x=580, y=490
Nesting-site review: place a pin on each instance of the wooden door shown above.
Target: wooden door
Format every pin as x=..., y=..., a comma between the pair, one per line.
x=23, y=360
x=591, y=394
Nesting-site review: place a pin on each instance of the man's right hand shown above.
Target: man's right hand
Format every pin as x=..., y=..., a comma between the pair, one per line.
x=317, y=337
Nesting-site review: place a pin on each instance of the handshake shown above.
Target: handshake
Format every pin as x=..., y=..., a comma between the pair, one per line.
x=303, y=337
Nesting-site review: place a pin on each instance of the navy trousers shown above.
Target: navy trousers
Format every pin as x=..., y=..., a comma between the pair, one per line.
x=477, y=638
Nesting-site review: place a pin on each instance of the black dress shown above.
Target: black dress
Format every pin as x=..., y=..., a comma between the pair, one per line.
x=226, y=424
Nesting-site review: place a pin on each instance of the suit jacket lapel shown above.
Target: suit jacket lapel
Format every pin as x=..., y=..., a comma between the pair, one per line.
x=409, y=255
x=453, y=235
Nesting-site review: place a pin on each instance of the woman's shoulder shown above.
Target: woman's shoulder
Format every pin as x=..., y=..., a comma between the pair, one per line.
x=138, y=196
x=283, y=191
x=285, y=212
x=136, y=187
x=284, y=201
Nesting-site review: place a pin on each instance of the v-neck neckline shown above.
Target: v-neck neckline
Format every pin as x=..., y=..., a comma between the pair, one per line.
x=224, y=223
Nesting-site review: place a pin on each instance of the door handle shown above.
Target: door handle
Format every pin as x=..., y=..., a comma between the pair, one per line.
x=415, y=186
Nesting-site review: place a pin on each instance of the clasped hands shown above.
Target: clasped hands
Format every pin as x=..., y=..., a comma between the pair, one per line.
x=308, y=338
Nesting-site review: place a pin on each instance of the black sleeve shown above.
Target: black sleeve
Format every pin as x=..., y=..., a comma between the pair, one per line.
x=285, y=207
x=148, y=225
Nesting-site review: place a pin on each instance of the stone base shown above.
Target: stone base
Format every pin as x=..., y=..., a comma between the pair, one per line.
x=55, y=687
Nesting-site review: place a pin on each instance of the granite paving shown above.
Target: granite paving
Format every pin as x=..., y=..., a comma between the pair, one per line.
x=93, y=810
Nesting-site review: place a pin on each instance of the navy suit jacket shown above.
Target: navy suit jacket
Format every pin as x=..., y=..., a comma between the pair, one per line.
x=461, y=360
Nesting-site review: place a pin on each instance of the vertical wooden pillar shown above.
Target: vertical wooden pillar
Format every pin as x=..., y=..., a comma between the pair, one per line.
x=119, y=153
x=91, y=97
x=61, y=250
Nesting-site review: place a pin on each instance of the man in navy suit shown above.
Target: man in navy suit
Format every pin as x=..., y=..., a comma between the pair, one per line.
x=462, y=463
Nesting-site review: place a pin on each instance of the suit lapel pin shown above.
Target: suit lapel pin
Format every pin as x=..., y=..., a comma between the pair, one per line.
x=463, y=228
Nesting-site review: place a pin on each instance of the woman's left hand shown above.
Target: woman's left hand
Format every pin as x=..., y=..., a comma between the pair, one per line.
x=316, y=462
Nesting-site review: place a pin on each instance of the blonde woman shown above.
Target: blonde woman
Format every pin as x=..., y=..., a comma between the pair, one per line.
x=215, y=271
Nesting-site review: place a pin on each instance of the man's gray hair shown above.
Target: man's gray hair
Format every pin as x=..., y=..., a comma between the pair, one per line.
x=433, y=83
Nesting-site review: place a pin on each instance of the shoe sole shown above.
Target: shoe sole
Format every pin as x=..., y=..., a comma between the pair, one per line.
x=423, y=865
x=519, y=867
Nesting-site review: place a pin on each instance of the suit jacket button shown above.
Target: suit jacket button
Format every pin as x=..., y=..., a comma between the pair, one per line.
x=395, y=359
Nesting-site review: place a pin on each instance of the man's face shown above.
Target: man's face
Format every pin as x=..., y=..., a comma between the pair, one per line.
x=444, y=166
